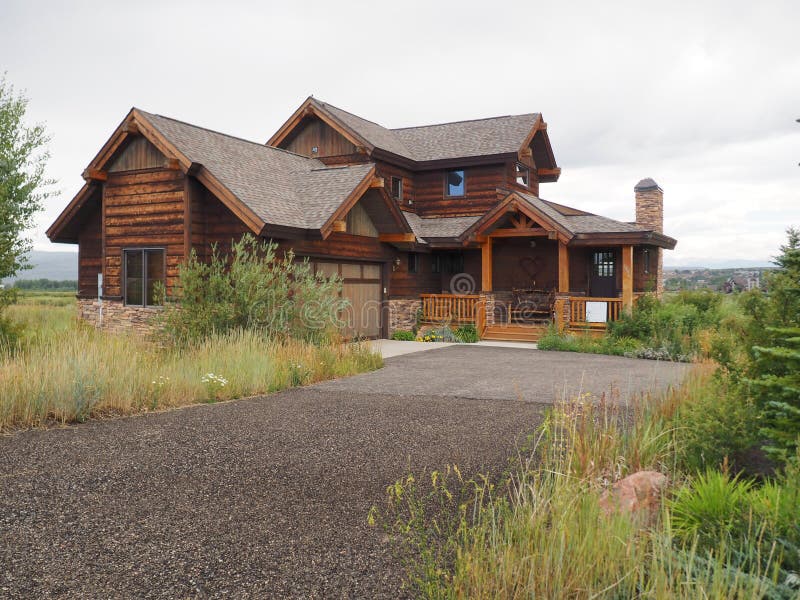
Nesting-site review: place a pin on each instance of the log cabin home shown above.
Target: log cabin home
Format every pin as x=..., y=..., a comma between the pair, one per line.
x=437, y=224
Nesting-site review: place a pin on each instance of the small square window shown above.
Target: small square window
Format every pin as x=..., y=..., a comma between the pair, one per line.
x=523, y=175
x=454, y=183
x=397, y=188
x=413, y=262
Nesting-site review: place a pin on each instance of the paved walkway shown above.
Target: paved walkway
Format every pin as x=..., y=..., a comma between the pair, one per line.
x=268, y=497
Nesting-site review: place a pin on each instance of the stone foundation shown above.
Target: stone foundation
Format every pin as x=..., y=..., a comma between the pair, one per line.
x=118, y=318
x=403, y=314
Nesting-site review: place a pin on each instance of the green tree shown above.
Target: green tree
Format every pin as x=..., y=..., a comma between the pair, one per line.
x=23, y=156
x=775, y=372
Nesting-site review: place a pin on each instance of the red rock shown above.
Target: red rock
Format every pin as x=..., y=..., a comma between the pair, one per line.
x=638, y=491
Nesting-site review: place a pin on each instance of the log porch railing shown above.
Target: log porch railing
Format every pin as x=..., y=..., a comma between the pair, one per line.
x=577, y=317
x=449, y=307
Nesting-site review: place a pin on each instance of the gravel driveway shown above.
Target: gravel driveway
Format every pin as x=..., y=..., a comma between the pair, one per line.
x=268, y=497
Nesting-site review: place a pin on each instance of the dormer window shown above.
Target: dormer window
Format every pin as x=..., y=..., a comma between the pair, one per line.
x=397, y=188
x=455, y=183
x=523, y=175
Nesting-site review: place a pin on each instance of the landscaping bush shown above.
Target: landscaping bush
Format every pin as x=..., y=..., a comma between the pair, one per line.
x=467, y=334
x=436, y=334
x=253, y=289
x=403, y=335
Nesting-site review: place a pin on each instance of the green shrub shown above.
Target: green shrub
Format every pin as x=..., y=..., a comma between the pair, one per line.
x=711, y=508
x=253, y=289
x=714, y=423
x=403, y=335
x=467, y=334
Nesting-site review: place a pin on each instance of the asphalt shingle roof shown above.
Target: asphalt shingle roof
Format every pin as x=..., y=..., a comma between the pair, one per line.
x=439, y=227
x=281, y=187
x=461, y=139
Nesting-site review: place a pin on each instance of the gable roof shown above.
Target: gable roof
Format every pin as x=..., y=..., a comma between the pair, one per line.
x=570, y=224
x=281, y=187
x=439, y=227
x=445, y=141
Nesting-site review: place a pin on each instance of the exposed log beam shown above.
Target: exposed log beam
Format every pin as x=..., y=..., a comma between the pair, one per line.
x=377, y=182
x=486, y=265
x=526, y=232
x=397, y=238
x=549, y=172
x=173, y=164
x=627, y=278
x=563, y=268
x=91, y=174
x=339, y=226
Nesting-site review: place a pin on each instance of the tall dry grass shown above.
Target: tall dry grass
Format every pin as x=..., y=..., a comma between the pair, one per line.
x=540, y=531
x=72, y=373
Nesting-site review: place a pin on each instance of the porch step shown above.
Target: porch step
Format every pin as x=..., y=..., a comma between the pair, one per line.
x=514, y=333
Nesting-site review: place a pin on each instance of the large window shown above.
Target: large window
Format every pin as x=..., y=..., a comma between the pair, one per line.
x=144, y=269
x=455, y=184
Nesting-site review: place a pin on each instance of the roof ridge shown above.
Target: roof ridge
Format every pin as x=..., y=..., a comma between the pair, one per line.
x=352, y=114
x=222, y=133
x=463, y=121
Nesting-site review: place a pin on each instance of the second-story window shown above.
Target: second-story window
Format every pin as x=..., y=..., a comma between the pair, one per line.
x=523, y=174
x=397, y=188
x=455, y=184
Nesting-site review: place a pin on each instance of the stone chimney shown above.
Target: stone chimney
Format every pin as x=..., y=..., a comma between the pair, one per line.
x=650, y=215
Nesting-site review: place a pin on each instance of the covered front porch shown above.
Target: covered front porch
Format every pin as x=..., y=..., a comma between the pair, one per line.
x=531, y=272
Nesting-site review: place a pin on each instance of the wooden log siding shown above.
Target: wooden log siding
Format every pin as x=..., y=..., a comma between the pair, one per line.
x=90, y=255
x=481, y=192
x=387, y=171
x=312, y=133
x=142, y=209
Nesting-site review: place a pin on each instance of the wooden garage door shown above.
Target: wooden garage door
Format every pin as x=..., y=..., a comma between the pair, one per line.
x=362, y=286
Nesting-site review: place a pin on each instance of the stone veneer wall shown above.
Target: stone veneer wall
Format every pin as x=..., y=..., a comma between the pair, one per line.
x=650, y=214
x=403, y=314
x=118, y=318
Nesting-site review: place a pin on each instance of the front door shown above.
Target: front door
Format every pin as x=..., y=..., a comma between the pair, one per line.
x=603, y=278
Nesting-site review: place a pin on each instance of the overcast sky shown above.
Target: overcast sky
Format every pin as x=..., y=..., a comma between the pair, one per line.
x=701, y=96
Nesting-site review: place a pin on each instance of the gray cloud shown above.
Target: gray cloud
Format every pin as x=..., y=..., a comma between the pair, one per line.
x=700, y=96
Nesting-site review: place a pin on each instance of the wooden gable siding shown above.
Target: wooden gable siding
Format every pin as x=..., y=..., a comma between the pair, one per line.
x=90, y=254
x=137, y=154
x=339, y=245
x=359, y=222
x=314, y=132
x=212, y=223
x=142, y=209
x=481, y=191
x=387, y=171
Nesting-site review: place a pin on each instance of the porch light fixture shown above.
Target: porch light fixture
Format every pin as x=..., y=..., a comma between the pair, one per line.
x=396, y=263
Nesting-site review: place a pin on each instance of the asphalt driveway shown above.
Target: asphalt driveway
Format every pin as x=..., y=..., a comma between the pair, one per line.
x=268, y=497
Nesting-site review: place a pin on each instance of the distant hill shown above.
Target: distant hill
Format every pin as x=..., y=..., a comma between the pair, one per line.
x=49, y=265
x=720, y=264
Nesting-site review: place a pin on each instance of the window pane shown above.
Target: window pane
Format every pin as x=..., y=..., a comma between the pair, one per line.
x=412, y=262
x=134, y=268
x=604, y=264
x=522, y=175
x=397, y=188
x=454, y=185
x=155, y=274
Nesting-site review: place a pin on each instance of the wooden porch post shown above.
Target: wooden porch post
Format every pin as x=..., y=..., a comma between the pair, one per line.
x=486, y=265
x=563, y=268
x=627, y=278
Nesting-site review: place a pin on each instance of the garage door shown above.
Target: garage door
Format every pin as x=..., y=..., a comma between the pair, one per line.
x=362, y=286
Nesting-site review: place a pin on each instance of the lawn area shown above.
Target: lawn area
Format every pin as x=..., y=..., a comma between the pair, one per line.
x=64, y=371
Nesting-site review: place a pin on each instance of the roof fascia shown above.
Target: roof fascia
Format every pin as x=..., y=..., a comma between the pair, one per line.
x=54, y=231
x=513, y=201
